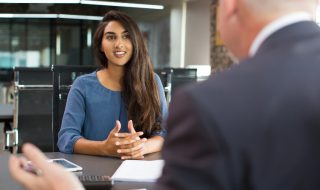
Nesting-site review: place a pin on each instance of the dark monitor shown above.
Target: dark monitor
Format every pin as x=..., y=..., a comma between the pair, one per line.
x=183, y=76
x=174, y=78
x=6, y=75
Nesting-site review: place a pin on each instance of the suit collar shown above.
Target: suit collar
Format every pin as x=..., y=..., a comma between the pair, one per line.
x=276, y=25
x=288, y=36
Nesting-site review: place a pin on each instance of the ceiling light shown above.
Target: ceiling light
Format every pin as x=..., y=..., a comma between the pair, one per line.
x=40, y=1
x=118, y=4
x=28, y=15
x=54, y=16
x=79, y=17
x=89, y=2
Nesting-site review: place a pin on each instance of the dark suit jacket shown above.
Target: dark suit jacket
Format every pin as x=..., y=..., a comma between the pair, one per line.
x=255, y=126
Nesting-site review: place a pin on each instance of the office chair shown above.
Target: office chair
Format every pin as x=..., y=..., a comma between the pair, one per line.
x=173, y=78
x=63, y=77
x=165, y=75
x=32, y=109
x=182, y=76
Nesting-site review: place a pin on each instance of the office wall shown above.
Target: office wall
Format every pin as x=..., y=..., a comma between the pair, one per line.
x=197, y=41
x=157, y=36
x=219, y=58
x=176, y=33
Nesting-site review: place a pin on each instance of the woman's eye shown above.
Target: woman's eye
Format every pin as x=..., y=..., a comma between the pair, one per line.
x=127, y=36
x=111, y=37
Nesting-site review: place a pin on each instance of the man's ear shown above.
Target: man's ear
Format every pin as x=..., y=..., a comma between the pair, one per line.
x=231, y=7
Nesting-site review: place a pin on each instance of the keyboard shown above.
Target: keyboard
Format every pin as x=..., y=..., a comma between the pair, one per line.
x=94, y=182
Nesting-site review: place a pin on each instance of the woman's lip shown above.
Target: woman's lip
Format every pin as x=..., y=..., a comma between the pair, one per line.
x=119, y=54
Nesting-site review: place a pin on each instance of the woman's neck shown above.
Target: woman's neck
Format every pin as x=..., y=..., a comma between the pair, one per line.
x=115, y=73
x=111, y=77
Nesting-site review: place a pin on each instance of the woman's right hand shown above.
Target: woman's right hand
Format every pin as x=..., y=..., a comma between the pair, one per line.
x=109, y=147
x=134, y=149
x=114, y=139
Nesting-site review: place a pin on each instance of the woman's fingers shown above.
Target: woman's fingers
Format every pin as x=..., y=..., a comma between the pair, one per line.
x=125, y=135
x=135, y=151
x=128, y=138
x=130, y=150
x=131, y=128
x=131, y=145
x=122, y=135
x=137, y=156
x=116, y=128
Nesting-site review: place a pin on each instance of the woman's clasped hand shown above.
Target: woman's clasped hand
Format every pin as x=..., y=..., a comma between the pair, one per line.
x=125, y=145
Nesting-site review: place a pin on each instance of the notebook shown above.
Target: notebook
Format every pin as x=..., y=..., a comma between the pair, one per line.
x=139, y=171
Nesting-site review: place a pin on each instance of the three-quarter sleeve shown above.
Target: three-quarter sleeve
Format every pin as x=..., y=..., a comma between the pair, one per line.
x=73, y=118
x=164, y=109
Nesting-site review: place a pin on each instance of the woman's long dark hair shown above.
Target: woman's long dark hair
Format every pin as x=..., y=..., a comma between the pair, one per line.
x=139, y=88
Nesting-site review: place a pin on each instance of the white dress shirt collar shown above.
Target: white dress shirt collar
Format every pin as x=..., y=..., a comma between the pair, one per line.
x=277, y=25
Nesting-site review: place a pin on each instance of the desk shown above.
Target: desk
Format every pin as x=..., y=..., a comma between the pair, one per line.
x=6, y=117
x=92, y=165
x=6, y=112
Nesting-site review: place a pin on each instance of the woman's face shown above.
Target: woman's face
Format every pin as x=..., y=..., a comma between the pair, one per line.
x=116, y=44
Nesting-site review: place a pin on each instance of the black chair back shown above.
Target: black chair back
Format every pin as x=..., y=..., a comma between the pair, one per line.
x=173, y=78
x=32, y=107
x=63, y=77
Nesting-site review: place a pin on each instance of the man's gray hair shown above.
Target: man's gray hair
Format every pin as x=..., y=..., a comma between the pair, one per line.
x=278, y=7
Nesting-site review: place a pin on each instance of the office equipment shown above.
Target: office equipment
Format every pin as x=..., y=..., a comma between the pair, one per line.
x=32, y=109
x=70, y=166
x=173, y=78
x=92, y=166
x=183, y=76
x=6, y=112
x=63, y=77
x=165, y=77
x=6, y=116
x=96, y=182
x=6, y=75
x=139, y=171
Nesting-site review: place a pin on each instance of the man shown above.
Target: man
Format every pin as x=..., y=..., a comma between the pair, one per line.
x=49, y=176
x=257, y=125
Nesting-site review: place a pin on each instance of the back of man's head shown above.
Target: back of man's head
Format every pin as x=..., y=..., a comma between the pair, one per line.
x=240, y=21
x=273, y=8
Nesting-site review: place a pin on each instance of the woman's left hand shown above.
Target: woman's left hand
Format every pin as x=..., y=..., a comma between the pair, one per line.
x=129, y=149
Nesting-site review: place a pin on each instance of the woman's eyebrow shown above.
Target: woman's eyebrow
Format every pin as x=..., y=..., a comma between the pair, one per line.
x=124, y=32
x=109, y=33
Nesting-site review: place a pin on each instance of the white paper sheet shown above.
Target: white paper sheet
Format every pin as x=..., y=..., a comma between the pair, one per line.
x=139, y=171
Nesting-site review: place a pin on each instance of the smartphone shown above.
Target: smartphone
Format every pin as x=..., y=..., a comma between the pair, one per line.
x=70, y=166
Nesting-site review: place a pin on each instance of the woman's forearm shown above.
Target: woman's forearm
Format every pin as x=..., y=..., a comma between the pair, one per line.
x=153, y=144
x=84, y=146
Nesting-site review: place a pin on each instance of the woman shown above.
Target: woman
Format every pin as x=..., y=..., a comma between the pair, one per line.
x=117, y=110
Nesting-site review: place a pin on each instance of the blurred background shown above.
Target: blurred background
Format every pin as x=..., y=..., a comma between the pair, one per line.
x=181, y=35
x=41, y=33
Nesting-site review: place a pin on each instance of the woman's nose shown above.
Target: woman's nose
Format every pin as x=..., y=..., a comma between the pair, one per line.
x=119, y=43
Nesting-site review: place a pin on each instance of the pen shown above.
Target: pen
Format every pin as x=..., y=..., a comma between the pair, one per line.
x=30, y=168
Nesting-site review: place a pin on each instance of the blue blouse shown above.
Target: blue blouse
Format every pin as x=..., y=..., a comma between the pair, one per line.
x=92, y=110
